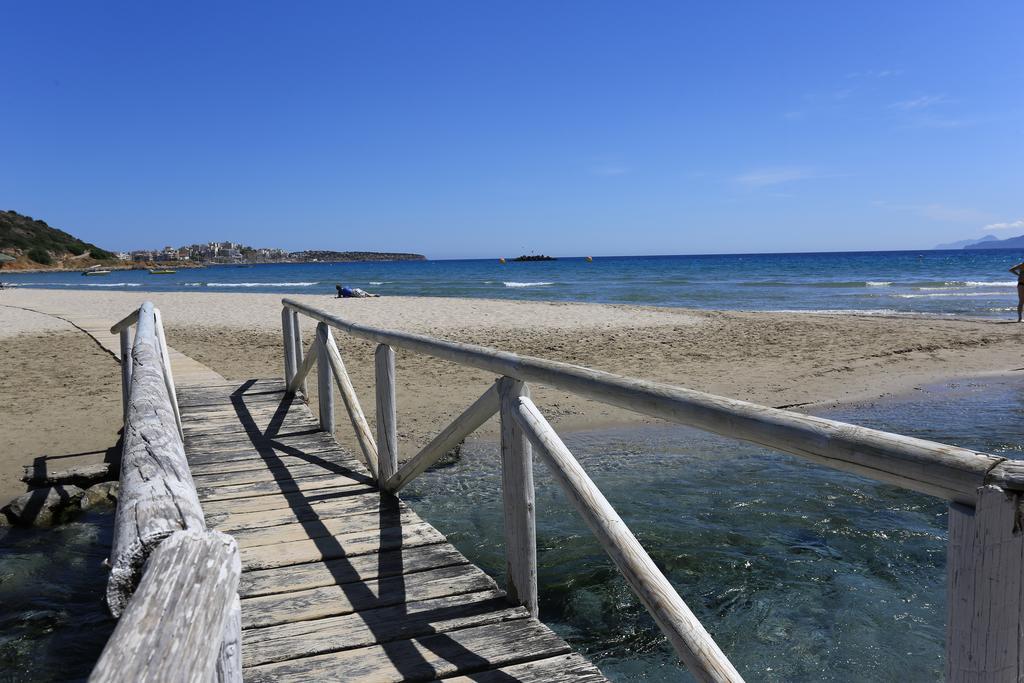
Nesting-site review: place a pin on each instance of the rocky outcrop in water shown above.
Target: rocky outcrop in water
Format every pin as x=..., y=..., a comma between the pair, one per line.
x=103, y=494
x=45, y=506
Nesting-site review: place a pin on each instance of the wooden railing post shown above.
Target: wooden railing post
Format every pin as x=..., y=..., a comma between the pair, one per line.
x=289, y=341
x=165, y=358
x=297, y=348
x=984, y=566
x=518, y=499
x=323, y=375
x=126, y=369
x=387, y=434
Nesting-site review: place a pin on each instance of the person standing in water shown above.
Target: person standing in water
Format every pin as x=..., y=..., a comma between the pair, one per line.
x=1018, y=270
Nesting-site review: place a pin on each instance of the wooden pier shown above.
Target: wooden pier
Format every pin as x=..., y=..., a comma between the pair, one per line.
x=249, y=545
x=341, y=581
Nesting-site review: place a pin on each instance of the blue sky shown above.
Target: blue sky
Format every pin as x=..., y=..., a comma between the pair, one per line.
x=468, y=129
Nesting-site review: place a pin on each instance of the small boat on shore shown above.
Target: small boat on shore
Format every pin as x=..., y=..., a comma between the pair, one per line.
x=162, y=271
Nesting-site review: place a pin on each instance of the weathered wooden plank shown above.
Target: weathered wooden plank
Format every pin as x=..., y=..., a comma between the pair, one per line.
x=691, y=641
x=571, y=668
x=348, y=569
x=330, y=601
x=280, y=460
x=174, y=625
x=157, y=496
x=343, y=545
x=293, y=500
x=320, y=527
x=985, y=605
x=518, y=500
x=252, y=476
x=302, y=514
x=376, y=626
x=423, y=658
x=272, y=487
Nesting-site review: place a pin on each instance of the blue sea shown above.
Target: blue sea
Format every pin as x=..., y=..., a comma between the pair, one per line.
x=942, y=283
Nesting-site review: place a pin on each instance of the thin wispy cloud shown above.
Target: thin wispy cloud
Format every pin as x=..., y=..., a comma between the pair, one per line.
x=921, y=102
x=939, y=212
x=1012, y=225
x=875, y=73
x=768, y=177
x=609, y=170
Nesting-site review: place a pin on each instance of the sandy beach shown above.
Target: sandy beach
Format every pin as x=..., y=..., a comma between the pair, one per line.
x=59, y=392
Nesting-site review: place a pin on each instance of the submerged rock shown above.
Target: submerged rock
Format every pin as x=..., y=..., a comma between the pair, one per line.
x=44, y=507
x=102, y=494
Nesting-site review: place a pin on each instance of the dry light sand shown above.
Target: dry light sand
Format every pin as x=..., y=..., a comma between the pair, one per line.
x=59, y=392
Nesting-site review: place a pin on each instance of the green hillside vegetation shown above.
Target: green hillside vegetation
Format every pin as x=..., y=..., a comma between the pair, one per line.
x=38, y=242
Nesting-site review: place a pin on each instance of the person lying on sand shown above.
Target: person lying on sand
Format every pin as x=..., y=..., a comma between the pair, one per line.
x=1018, y=270
x=354, y=293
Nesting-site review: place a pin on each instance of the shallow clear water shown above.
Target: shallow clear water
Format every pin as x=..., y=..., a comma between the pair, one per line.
x=53, y=623
x=801, y=573
x=960, y=283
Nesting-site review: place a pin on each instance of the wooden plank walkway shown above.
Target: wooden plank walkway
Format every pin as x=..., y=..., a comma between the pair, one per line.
x=340, y=581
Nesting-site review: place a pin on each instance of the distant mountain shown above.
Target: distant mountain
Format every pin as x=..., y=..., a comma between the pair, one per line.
x=32, y=243
x=1008, y=243
x=963, y=244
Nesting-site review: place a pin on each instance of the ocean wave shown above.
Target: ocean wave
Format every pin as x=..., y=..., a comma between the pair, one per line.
x=976, y=283
x=383, y=282
x=76, y=285
x=250, y=284
x=855, y=311
x=821, y=283
x=527, y=284
x=944, y=295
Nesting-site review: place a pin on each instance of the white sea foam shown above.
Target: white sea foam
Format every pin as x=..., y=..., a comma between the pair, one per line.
x=877, y=284
x=853, y=311
x=73, y=284
x=385, y=282
x=944, y=295
x=972, y=283
x=251, y=284
x=527, y=284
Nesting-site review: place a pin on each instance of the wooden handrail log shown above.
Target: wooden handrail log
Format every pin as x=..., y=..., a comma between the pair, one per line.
x=465, y=424
x=125, y=322
x=157, y=496
x=180, y=617
x=355, y=411
x=933, y=468
x=694, y=645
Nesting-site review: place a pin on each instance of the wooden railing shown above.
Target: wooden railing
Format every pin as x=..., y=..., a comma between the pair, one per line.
x=173, y=583
x=985, y=630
